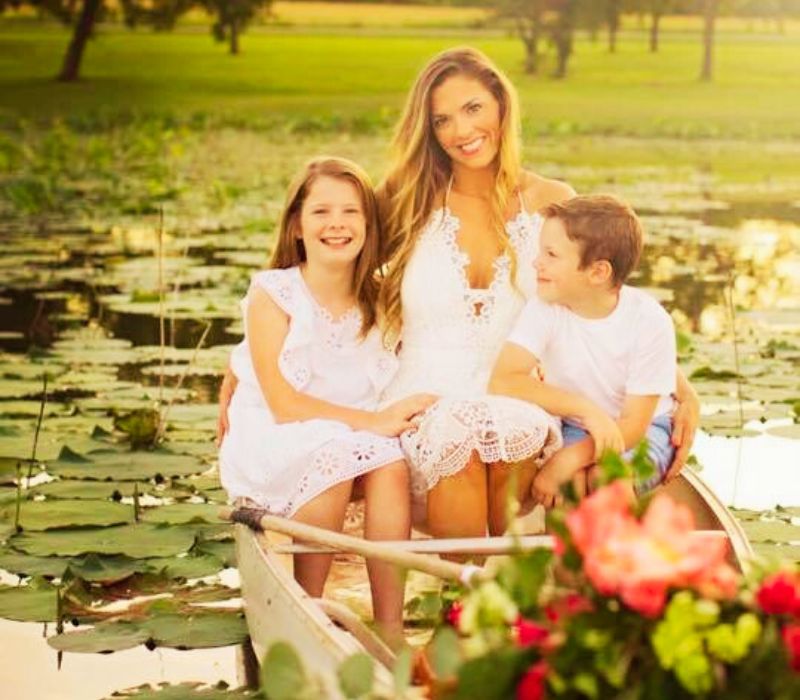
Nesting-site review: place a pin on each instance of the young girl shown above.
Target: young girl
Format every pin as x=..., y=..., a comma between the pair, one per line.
x=303, y=424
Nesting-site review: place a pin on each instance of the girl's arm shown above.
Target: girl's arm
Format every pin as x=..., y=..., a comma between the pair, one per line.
x=267, y=328
x=512, y=376
x=226, y=390
x=685, y=422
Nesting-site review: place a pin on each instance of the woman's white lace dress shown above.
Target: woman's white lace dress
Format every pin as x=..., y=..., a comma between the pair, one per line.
x=451, y=337
x=282, y=466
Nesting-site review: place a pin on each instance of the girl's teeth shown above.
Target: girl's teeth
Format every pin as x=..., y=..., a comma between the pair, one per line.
x=472, y=146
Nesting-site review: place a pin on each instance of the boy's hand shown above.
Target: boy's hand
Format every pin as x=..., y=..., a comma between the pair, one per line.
x=605, y=432
x=684, y=426
x=397, y=417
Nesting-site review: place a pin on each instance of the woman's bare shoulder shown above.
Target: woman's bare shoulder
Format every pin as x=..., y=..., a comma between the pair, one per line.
x=538, y=191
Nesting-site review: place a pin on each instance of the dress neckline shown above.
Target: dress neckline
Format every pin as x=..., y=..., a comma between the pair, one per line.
x=353, y=312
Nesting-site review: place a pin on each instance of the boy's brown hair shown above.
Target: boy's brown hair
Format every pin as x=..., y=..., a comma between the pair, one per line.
x=604, y=228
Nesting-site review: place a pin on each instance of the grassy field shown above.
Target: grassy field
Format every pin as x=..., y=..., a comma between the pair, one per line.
x=304, y=80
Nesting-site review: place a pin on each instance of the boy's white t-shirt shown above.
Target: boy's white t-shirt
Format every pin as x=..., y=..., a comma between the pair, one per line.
x=629, y=352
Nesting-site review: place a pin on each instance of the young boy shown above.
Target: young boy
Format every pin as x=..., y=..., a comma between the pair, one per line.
x=607, y=349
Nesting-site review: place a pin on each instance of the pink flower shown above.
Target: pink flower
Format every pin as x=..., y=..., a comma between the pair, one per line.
x=529, y=633
x=641, y=561
x=779, y=594
x=532, y=685
x=791, y=639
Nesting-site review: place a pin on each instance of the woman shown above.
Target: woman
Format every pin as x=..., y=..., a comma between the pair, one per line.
x=459, y=216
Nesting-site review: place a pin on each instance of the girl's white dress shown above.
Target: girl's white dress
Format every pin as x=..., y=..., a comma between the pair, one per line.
x=282, y=466
x=451, y=337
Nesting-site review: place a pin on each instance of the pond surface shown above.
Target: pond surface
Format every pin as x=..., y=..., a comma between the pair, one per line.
x=81, y=304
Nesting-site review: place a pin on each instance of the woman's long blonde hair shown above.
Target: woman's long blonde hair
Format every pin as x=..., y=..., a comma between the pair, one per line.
x=290, y=250
x=421, y=169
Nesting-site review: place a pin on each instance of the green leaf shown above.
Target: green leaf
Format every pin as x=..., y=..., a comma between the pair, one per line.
x=182, y=513
x=491, y=676
x=191, y=566
x=138, y=541
x=35, y=602
x=129, y=466
x=50, y=515
x=282, y=673
x=401, y=671
x=445, y=653
x=202, y=630
x=106, y=570
x=182, y=691
x=24, y=565
x=103, y=638
x=356, y=675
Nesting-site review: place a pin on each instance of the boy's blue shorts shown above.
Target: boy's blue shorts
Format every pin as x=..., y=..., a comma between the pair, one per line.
x=659, y=447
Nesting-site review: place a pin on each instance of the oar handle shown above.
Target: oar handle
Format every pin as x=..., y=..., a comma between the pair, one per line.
x=468, y=575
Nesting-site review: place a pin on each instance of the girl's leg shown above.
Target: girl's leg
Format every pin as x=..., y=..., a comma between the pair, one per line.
x=326, y=510
x=457, y=505
x=387, y=517
x=502, y=479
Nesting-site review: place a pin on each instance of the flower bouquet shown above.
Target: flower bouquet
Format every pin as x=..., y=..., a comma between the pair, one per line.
x=632, y=603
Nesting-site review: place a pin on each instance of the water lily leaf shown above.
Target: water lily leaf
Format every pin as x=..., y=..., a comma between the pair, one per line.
x=20, y=388
x=129, y=466
x=106, y=570
x=49, y=515
x=196, y=415
x=35, y=602
x=180, y=513
x=191, y=566
x=90, y=490
x=201, y=630
x=781, y=552
x=103, y=638
x=182, y=691
x=11, y=367
x=30, y=409
x=224, y=551
x=25, y=565
x=139, y=541
x=786, y=431
x=771, y=531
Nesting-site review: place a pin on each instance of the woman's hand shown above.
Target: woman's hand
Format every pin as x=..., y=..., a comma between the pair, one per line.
x=604, y=431
x=229, y=383
x=685, y=422
x=397, y=417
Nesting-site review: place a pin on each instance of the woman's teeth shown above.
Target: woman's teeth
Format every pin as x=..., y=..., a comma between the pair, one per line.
x=336, y=240
x=472, y=146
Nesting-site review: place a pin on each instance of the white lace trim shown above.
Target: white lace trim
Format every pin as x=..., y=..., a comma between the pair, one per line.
x=499, y=429
x=337, y=461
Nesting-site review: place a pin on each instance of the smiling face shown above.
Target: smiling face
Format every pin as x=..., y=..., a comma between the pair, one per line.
x=466, y=121
x=560, y=277
x=332, y=222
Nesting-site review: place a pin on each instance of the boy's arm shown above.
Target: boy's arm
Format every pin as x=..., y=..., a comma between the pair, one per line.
x=637, y=414
x=511, y=376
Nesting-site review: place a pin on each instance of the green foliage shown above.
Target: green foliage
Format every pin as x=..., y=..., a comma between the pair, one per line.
x=356, y=675
x=282, y=674
x=140, y=426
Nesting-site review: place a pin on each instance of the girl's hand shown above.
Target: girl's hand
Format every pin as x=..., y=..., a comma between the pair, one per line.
x=605, y=432
x=397, y=417
x=685, y=422
x=229, y=383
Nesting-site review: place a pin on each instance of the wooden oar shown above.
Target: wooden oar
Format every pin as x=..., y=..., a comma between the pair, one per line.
x=467, y=574
x=462, y=545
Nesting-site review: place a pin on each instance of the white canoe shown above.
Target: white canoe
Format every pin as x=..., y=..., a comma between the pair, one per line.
x=277, y=609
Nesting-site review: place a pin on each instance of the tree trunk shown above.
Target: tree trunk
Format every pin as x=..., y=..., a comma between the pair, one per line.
x=613, y=25
x=234, y=32
x=531, y=56
x=70, y=68
x=709, y=16
x=654, y=32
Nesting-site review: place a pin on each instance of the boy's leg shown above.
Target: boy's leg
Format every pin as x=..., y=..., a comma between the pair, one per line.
x=326, y=510
x=660, y=450
x=388, y=517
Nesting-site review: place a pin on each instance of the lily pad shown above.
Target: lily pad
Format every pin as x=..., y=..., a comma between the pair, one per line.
x=786, y=431
x=190, y=566
x=58, y=513
x=106, y=570
x=26, y=565
x=36, y=602
x=771, y=531
x=181, y=513
x=181, y=691
x=129, y=466
x=90, y=490
x=139, y=541
x=103, y=638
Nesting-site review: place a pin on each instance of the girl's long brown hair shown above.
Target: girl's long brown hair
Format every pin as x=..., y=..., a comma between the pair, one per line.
x=421, y=169
x=290, y=250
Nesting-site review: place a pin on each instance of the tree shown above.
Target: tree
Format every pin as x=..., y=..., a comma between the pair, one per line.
x=232, y=16
x=527, y=16
x=83, y=15
x=657, y=9
x=710, y=9
x=562, y=32
x=613, y=11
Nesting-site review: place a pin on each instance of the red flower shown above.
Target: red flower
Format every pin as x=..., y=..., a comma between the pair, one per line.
x=532, y=685
x=529, y=633
x=453, y=614
x=791, y=638
x=570, y=605
x=779, y=594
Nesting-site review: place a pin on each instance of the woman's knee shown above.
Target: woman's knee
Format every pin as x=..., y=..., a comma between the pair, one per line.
x=395, y=475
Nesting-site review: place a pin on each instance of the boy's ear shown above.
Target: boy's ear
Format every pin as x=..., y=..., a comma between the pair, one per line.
x=601, y=272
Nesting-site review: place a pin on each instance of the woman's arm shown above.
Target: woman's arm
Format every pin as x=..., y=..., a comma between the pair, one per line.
x=229, y=383
x=267, y=328
x=685, y=422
